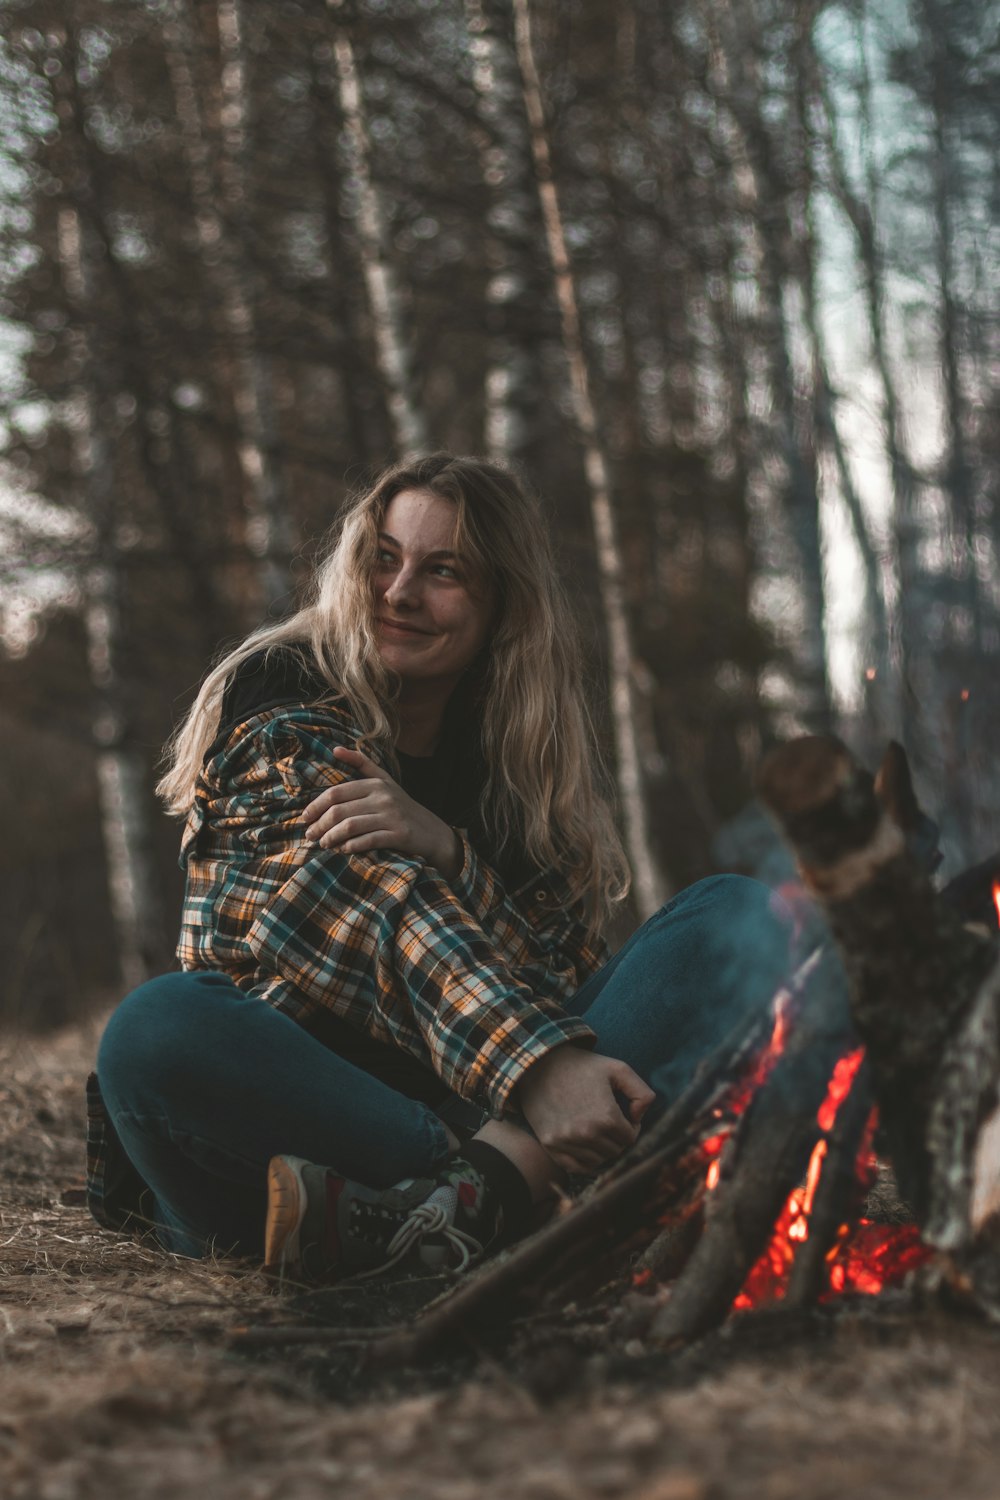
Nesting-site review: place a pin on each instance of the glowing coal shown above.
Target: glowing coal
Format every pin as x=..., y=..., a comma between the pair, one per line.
x=866, y=1257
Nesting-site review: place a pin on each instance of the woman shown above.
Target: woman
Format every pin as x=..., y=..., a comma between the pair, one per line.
x=398, y=1024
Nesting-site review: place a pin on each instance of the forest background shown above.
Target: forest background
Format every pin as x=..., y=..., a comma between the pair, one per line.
x=720, y=277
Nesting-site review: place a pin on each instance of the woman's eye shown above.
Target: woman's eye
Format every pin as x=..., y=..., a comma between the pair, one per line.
x=383, y=557
x=445, y=570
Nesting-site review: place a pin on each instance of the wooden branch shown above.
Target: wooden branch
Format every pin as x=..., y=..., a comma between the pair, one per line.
x=621, y=1209
x=834, y=1202
x=266, y=1335
x=966, y=1099
x=765, y=1162
x=915, y=970
x=665, y=1258
x=894, y=789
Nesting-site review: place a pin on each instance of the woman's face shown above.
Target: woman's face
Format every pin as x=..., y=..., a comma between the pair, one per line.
x=432, y=617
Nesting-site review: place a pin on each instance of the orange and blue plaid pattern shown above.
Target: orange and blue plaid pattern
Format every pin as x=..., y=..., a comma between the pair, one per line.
x=463, y=976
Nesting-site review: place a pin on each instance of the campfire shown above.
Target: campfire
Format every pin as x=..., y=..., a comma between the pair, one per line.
x=904, y=1050
x=864, y=1257
x=755, y=1187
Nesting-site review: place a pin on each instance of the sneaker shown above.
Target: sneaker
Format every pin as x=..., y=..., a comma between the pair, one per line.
x=321, y=1227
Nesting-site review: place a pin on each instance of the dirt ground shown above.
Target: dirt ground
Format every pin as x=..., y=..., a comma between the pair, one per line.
x=122, y=1375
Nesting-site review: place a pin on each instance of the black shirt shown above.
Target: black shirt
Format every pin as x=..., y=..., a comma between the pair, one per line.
x=449, y=783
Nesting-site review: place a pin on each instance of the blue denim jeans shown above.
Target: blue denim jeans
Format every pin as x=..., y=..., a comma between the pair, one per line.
x=203, y=1083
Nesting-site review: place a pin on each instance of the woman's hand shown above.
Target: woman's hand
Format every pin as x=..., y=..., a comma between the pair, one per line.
x=373, y=812
x=569, y=1100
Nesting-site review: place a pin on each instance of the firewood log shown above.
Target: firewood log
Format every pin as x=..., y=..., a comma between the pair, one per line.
x=835, y=1200
x=924, y=988
x=764, y=1162
x=621, y=1210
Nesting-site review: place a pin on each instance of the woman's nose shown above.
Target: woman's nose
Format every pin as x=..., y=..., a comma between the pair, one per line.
x=403, y=589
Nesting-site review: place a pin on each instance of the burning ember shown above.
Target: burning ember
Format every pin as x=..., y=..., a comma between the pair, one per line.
x=838, y=1089
x=866, y=1257
x=874, y=1256
x=774, y=1173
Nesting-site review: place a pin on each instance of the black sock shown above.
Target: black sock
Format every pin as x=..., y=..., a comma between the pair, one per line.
x=508, y=1205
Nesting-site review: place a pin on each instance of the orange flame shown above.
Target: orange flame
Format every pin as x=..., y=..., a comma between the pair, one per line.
x=870, y=1257
x=769, y=1057
x=866, y=1257
x=736, y=1104
x=839, y=1087
x=996, y=899
x=813, y=1175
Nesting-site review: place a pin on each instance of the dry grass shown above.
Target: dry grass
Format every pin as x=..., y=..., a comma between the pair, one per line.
x=119, y=1379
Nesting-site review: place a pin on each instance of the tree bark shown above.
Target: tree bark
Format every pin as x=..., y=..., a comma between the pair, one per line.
x=944, y=165
x=651, y=887
x=827, y=420
x=227, y=275
x=863, y=215
x=767, y=1158
x=923, y=985
x=835, y=1200
x=767, y=201
x=125, y=811
x=346, y=291
x=393, y=350
x=512, y=385
x=143, y=374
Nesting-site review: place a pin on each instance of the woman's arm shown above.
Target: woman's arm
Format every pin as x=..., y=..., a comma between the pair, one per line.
x=384, y=941
x=539, y=932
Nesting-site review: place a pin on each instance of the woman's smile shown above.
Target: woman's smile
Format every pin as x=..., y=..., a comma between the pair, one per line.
x=433, y=616
x=401, y=627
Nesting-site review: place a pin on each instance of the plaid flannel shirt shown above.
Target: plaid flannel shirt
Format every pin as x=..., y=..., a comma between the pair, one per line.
x=464, y=977
x=461, y=975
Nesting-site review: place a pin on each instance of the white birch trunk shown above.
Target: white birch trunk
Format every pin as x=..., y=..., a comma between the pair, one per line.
x=913, y=597
x=512, y=385
x=126, y=823
x=738, y=90
x=392, y=349
x=650, y=885
x=957, y=467
x=827, y=402
x=268, y=527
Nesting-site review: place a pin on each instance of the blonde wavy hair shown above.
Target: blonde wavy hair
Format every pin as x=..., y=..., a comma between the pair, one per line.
x=545, y=788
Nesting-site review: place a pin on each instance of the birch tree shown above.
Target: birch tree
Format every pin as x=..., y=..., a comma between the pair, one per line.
x=512, y=391
x=862, y=208
x=828, y=405
x=228, y=278
x=393, y=351
x=650, y=884
x=327, y=124
x=161, y=445
x=122, y=773
x=946, y=171
x=766, y=208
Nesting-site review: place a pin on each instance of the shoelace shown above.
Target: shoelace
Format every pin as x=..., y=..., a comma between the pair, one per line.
x=426, y=1218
